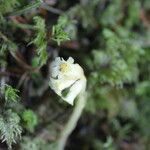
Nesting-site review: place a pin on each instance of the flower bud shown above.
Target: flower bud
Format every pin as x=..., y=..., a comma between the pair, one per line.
x=67, y=75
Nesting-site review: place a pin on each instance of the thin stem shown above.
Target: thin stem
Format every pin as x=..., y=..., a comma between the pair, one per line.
x=72, y=121
x=22, y=26
x=3, y=80
x=27, y=8
x=19, y=60
x=51, y=9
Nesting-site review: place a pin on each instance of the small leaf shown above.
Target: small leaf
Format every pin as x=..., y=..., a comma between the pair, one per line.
x=11, y=94
x=10, y=128
x=30, y=120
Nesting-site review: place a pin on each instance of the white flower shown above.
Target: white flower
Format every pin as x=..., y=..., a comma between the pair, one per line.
x=67, y=75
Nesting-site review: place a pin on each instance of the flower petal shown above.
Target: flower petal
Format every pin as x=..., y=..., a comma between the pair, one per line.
x=70, y=60
x=74, y=91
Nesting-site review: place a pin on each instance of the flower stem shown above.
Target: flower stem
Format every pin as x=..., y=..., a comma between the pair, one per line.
x=71, y=124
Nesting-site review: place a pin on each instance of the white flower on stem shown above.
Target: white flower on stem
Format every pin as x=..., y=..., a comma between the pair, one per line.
x=67, y=75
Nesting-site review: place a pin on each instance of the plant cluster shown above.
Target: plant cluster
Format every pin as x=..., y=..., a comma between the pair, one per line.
x=109, y=39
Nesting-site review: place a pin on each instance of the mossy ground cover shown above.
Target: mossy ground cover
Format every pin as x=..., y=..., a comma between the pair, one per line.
x=110, y=39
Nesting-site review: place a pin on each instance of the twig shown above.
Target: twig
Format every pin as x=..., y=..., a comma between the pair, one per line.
x=22, y=63
x=22, y=79
x=51, y=9
x=23, y=26
x=27, y=8
x=36, y=5
x=4, y=73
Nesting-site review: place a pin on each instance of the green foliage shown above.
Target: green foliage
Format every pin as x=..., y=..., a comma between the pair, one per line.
x=112, y=13
x=58, y=31
x=30, y=120
x=133, y=13
x=11, y=94
x=8, y=6
x=114, y=62
x=33, y=144
x=146, y=4
x=108, y=145
x=142, y=89
x=36, y=144
x=128, y=109
x=103, y=98
x=144, y=118
x=40, y=42
x=28, y=8
x=3, y=51
x=6, y=46
x=143, y=93
x=112, y=45
x=10, y=129
x=87, y=13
